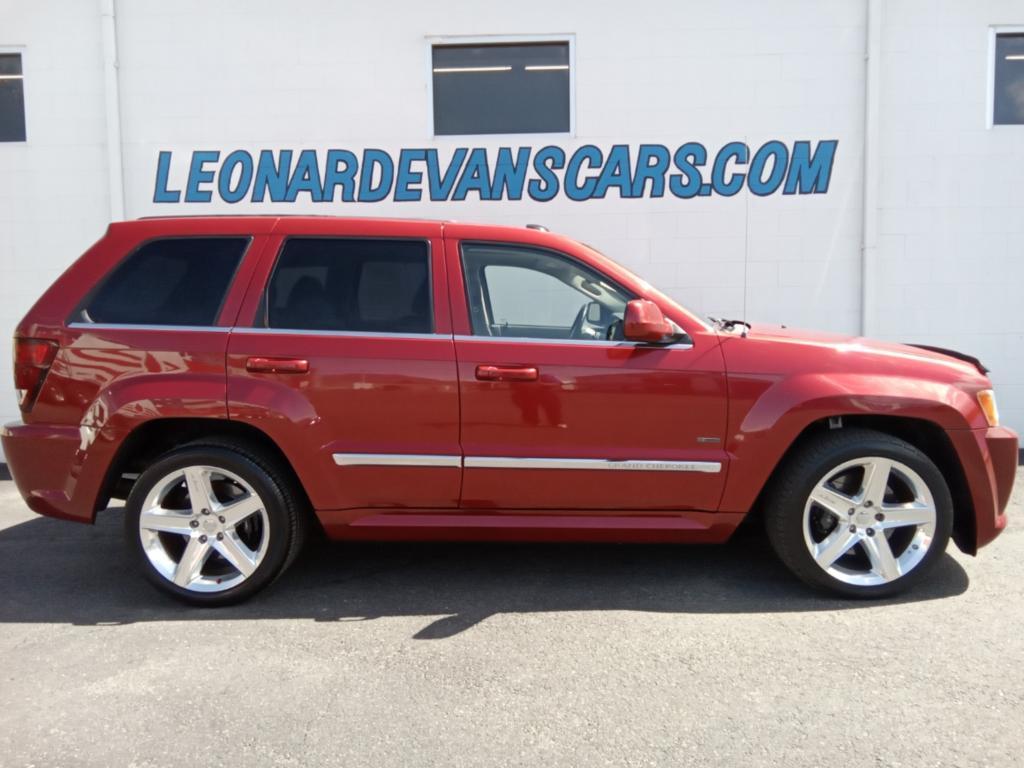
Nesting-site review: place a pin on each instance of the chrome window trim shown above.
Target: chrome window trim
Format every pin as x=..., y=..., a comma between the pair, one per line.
x=144, y=327
x=251, y=331
x=396, y=460
x=510, y=462
x=254, y=331
x=575, y=342
x=628, y=465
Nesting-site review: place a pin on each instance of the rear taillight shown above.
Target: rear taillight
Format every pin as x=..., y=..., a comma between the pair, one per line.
x=32, y=359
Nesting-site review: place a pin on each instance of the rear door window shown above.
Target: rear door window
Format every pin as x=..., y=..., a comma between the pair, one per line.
x=180, y=281
x=371, y=286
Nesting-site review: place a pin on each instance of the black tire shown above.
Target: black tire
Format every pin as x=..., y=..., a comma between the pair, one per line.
x=800, y=474
x=285, y=514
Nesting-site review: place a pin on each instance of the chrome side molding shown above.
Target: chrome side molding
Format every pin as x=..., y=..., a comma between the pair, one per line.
x=396, y=460
x=512, y=462
x=627, y=465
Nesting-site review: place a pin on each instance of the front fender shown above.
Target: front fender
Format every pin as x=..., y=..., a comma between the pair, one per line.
x=768, y=412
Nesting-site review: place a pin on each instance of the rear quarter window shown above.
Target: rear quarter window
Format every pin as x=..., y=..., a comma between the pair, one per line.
x=180, y=281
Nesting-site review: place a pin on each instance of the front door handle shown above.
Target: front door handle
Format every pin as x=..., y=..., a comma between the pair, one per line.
x=506, y=373
x=276, y=365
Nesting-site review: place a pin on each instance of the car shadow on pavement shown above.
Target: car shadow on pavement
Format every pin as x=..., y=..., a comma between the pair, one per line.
x=55, y=572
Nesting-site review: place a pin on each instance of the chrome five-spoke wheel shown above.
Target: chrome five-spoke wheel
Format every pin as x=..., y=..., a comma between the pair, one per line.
x=212, y=523
x=204, y=528
x=859, y=513
x=869, y=521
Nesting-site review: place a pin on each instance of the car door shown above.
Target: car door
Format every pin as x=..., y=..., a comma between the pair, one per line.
x=555, y=414
x=346, y=360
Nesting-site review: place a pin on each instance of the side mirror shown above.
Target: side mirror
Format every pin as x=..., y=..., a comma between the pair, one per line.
x=644, y=321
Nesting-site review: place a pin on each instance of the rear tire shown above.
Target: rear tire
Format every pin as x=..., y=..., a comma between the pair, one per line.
x=859, y=513
x=212, y=523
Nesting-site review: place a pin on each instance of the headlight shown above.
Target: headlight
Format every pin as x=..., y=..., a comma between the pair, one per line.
x=987, y=401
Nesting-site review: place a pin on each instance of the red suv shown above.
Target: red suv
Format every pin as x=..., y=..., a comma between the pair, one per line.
x=239, y=380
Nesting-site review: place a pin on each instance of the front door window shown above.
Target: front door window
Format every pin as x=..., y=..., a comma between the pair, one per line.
x=524, y=293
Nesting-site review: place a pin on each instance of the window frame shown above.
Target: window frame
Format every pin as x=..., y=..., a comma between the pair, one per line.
x=74, y=319
x=262, y=317
x=990, y=97
x=22, y=51
x=484, y=40
x=513, y=246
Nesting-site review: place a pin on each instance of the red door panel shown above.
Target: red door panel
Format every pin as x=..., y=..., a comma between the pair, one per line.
x=592, y=402
x=371, y=419
x=586, y=425
x=377, y=396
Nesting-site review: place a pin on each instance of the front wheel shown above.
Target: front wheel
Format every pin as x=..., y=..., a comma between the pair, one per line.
x=212, y=524
x=859, y=513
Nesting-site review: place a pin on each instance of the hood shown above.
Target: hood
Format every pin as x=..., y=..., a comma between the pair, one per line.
x=847, y=352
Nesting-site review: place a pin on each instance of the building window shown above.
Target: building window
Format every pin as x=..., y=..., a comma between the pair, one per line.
x=12, y=98
x=1008, y=81
x=502, y=88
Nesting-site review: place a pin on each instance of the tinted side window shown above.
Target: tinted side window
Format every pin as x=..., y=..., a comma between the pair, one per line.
x=380, y=286
x=168, y=282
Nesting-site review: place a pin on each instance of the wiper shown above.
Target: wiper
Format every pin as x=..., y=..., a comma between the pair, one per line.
x=727, y=325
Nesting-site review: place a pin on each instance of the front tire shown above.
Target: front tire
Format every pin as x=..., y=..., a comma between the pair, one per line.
x=859, y=513
x=212, y=524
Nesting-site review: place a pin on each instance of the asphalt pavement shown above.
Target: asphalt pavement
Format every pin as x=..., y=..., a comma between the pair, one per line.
x=504, y=654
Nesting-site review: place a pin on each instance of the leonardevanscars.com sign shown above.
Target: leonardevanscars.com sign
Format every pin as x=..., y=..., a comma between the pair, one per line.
x=542, y=174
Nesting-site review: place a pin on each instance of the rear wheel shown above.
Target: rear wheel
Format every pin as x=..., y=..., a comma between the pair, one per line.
x=860, y=513
x=212, y=525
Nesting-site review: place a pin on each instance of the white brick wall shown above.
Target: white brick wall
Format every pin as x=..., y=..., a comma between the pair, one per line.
x=263, y=74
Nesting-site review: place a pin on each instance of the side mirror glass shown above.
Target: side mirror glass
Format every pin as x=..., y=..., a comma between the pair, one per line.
x=645, y=322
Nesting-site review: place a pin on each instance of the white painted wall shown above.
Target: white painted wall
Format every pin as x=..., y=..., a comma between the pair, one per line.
x=950, y=270
x=256, y=74
x=667, y=73
x=53, y=188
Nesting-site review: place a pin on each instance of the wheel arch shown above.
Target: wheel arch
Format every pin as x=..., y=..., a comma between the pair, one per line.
x=927, y=436
x=157, y=436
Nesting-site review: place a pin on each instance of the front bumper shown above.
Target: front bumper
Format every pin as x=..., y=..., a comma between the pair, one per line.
x=46, y=463
x=989, y=459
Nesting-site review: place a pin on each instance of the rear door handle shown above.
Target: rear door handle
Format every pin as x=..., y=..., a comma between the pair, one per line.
x=276, y=365
x=506, y=373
